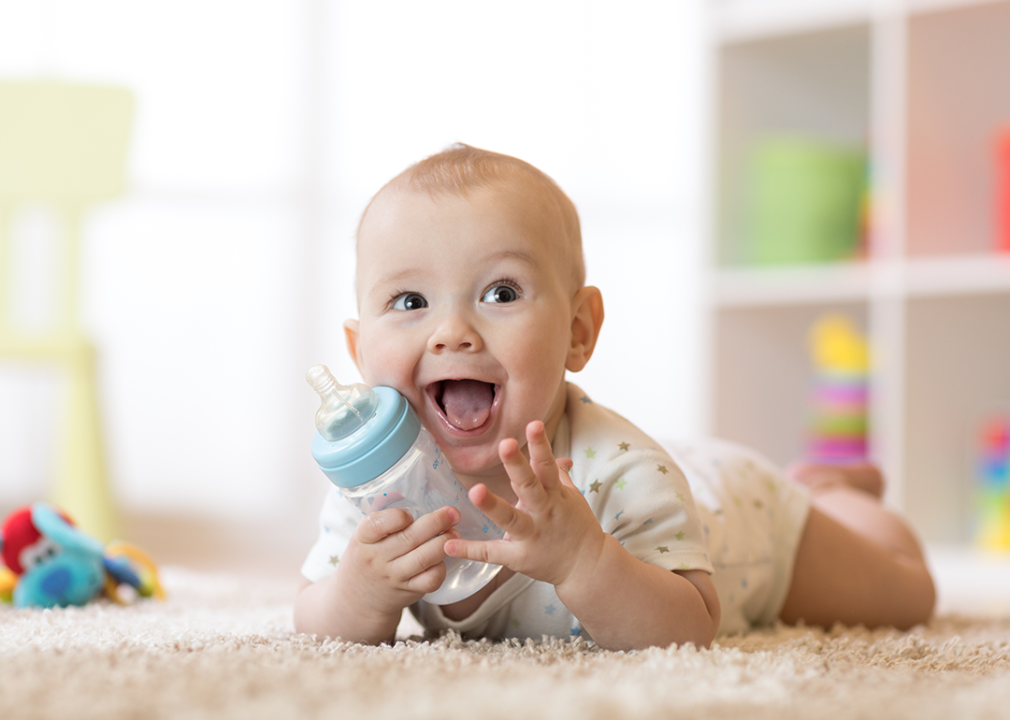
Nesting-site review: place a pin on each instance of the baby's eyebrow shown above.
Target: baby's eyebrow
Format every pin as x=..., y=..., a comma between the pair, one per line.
x=397, y=277
x=409, y=274
x=520, y=255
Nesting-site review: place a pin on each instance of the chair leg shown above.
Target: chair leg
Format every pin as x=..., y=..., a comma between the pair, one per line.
x=80, y=486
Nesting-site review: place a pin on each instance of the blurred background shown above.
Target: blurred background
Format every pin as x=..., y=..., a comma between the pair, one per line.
x=799, y=214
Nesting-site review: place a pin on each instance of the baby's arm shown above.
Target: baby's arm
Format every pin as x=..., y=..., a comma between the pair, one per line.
x=390, y=563
x=553, y=536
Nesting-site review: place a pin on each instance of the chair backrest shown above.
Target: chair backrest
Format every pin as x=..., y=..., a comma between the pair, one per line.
x=63, y=145
x=62, y=142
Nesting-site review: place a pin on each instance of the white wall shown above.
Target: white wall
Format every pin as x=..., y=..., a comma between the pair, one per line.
x=262, y=130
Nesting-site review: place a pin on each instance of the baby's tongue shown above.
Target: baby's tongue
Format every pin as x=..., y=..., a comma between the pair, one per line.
x=467, y=403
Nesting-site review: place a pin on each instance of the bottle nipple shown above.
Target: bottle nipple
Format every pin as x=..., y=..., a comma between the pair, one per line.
x=345, y=408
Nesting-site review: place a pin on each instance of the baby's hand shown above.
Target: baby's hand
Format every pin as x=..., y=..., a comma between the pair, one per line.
x=552, y=534
x=392, y=560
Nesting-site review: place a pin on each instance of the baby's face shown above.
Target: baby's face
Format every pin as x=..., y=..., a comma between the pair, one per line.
x=466, y=309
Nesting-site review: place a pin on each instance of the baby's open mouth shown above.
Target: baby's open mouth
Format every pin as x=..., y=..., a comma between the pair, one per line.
x=466, y=404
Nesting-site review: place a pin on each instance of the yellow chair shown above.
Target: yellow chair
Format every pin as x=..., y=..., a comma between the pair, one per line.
x=64, y=146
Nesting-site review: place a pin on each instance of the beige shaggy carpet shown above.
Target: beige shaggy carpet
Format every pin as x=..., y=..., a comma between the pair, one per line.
x=224, y=647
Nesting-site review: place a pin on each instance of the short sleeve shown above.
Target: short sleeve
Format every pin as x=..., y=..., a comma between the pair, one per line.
x=338, y=520
x=637, y=491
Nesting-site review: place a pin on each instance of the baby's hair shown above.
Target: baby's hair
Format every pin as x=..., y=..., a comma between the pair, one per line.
x=460, y=168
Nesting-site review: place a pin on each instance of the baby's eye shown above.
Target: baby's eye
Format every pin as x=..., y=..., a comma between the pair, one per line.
x=410, y=301
x=500, y=294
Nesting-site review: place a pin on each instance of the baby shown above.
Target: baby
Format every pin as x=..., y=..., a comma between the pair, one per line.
x=473, y=304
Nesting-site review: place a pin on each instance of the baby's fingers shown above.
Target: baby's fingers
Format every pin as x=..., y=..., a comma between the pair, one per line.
x=565, y=466
x=542, y=461
x=528, y=487
x=493, y=552
x=513, y=521
x=401, y=530
x=423, y=566
x=380, y=525
x=425, y=528
x=428, y=581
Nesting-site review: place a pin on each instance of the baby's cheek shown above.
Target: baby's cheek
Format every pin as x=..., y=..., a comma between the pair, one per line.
x=542, y=364
x=388, y=365
x=380, y=355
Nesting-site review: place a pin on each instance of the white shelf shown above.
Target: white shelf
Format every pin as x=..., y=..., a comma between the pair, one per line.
x=746, y=20
x=926, y=6
x=859, y=281
x=790, y=285
x=958, y=275
x=738, y=21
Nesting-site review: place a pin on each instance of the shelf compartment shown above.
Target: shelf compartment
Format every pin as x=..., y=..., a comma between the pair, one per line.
x=957, y=101
x=764, y=375
x=813, y=86
x=958, y=371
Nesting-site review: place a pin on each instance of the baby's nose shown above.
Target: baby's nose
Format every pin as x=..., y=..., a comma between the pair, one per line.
x=455, y=334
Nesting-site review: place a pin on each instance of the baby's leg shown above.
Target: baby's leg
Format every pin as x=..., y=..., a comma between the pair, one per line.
x=857, y=563
x=860, y=475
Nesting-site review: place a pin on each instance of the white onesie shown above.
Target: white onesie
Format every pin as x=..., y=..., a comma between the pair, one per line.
x=645, y=500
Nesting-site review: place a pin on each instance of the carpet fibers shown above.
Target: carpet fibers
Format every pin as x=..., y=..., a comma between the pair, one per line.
x=223, y=647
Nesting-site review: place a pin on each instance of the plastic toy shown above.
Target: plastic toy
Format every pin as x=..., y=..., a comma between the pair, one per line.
x=992, y=531
x=838, y=431
x=51, y=563
x=803, y=202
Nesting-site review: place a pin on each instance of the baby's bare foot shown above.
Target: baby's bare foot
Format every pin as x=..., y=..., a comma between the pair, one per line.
x=859, y=475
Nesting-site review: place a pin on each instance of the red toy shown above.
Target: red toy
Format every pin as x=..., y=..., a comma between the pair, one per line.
x=23, y=544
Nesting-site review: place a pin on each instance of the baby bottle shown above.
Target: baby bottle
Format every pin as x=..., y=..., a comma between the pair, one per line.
x=371, y=445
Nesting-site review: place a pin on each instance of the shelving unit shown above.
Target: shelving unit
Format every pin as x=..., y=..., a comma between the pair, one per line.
x=921, y=85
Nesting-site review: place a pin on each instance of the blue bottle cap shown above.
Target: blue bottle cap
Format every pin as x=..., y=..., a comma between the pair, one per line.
x=372, y=449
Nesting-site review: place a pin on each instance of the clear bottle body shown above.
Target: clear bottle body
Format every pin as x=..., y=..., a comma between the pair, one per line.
x=421, y=482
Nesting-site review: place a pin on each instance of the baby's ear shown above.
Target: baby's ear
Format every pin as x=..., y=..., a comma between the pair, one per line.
x=587, y=318
x=351, y=336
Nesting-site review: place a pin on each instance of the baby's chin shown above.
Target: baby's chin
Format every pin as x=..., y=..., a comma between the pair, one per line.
x=472, y=465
